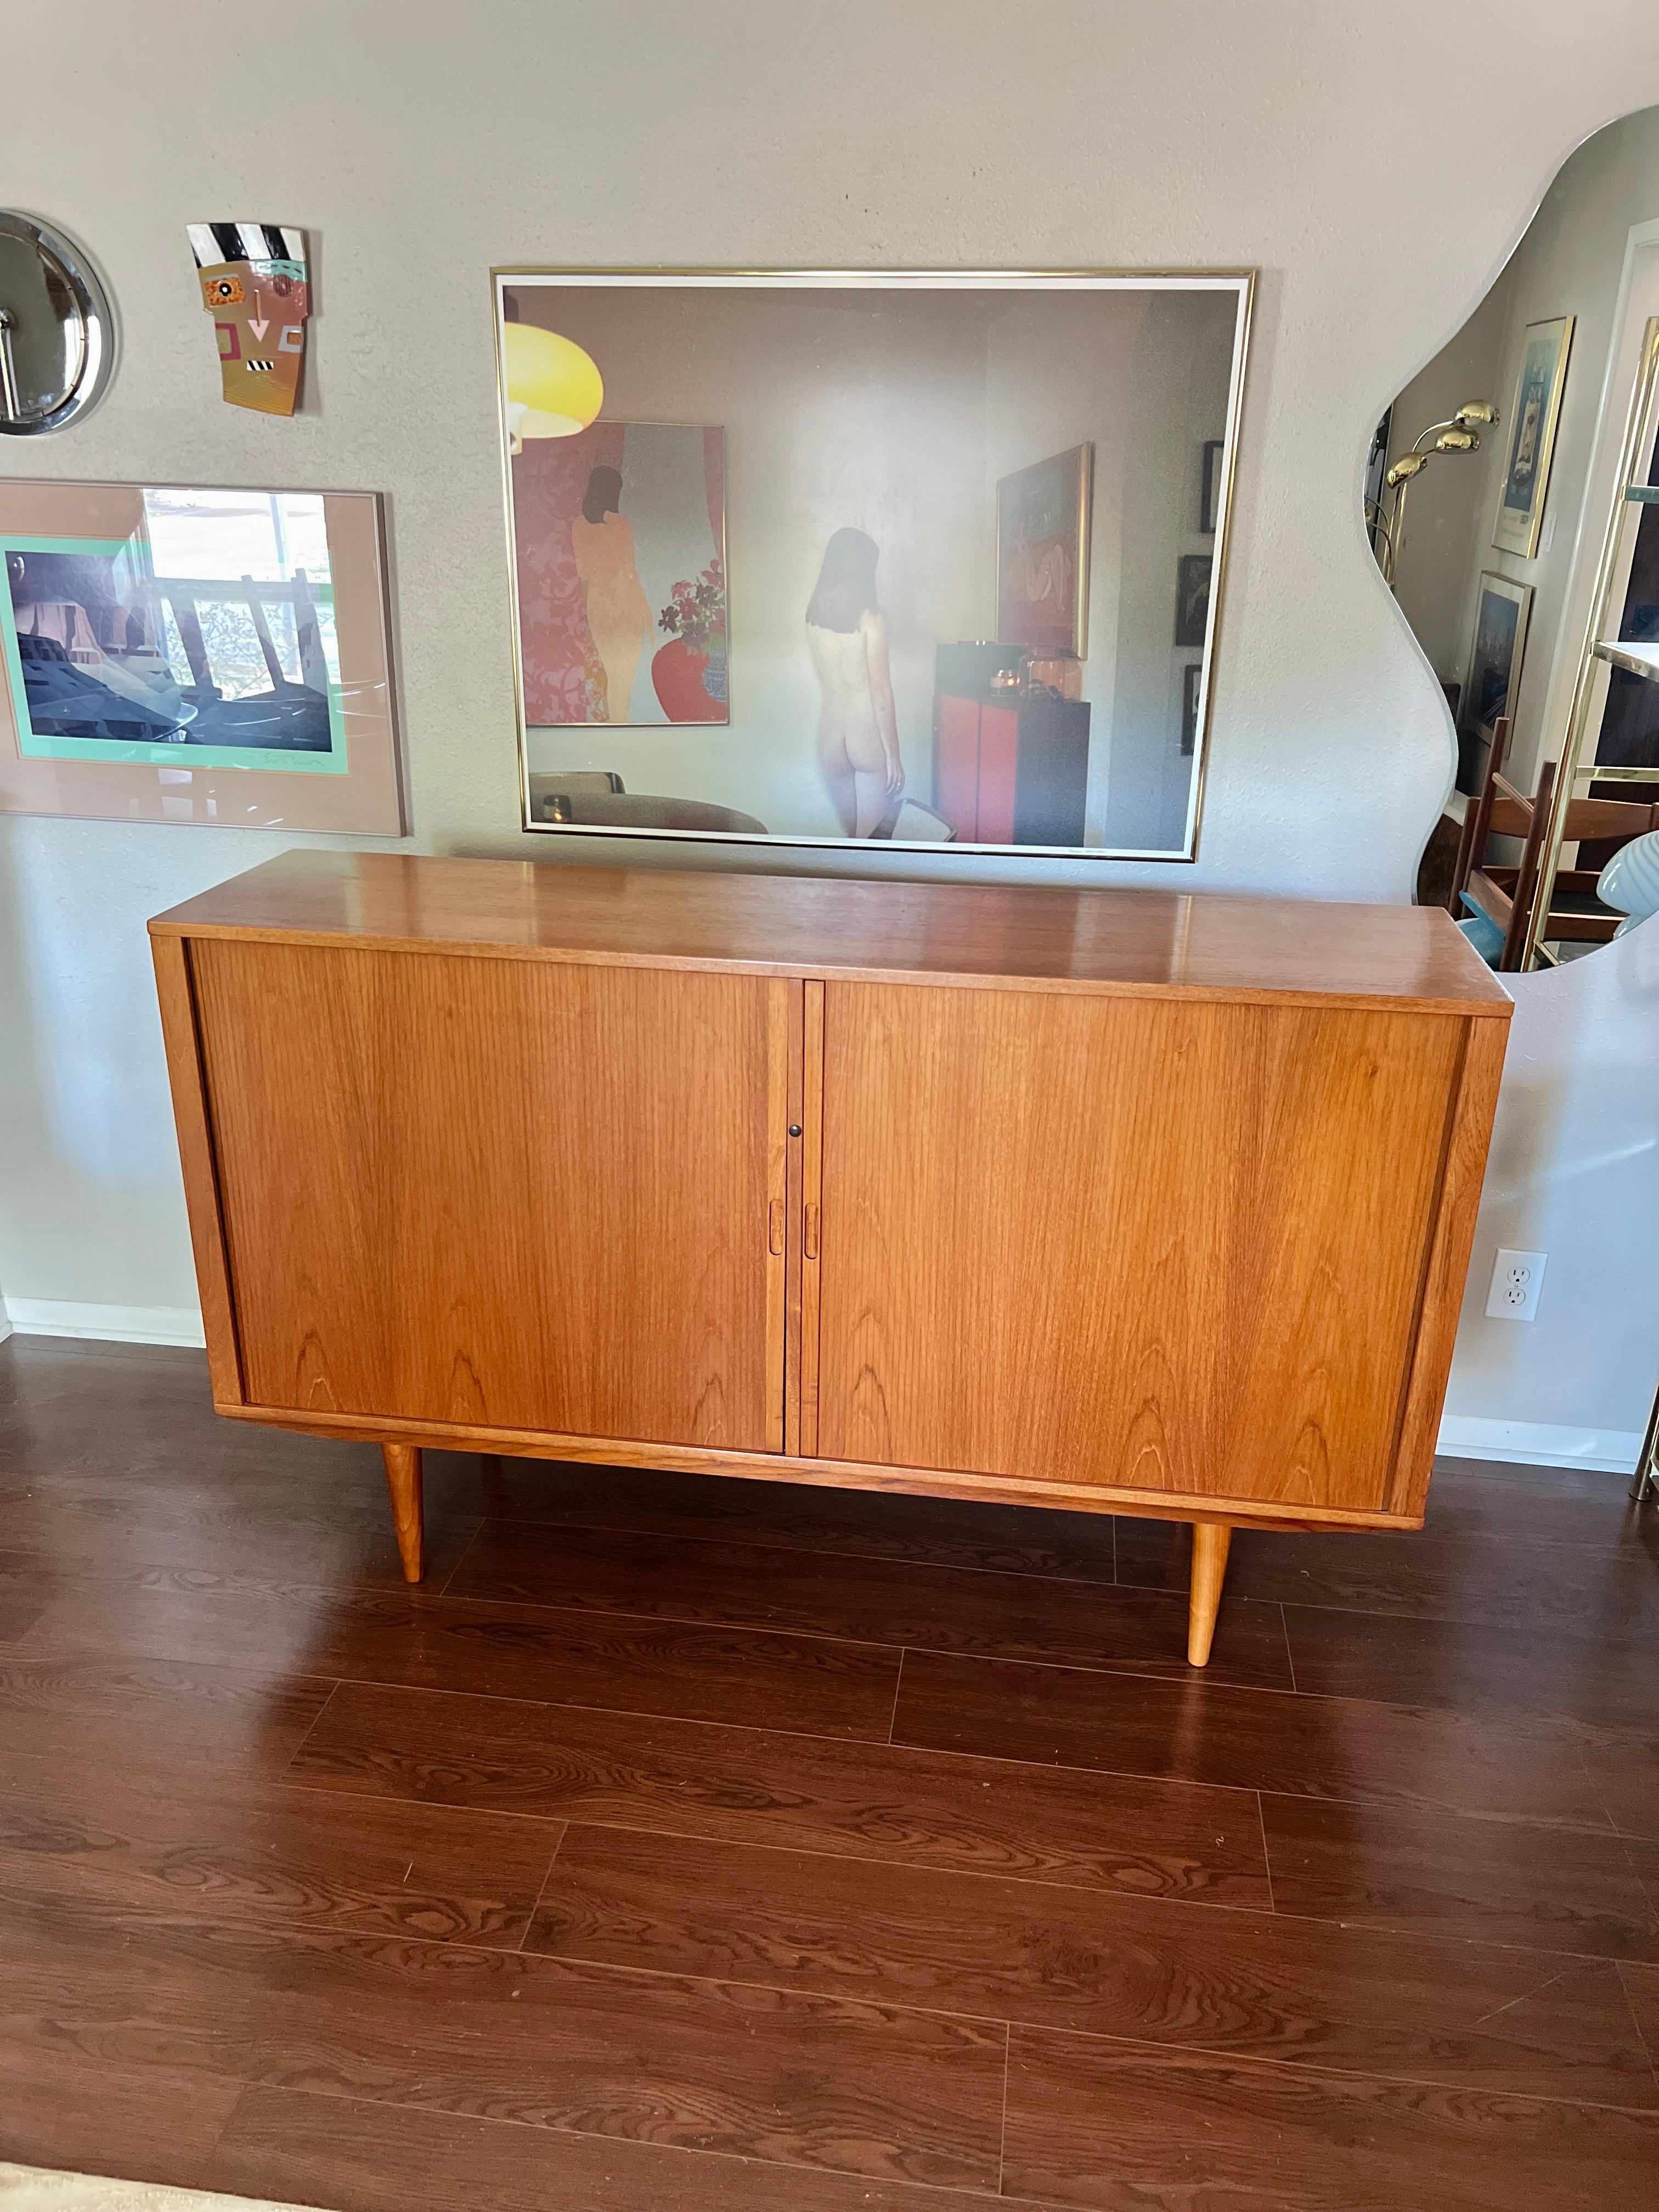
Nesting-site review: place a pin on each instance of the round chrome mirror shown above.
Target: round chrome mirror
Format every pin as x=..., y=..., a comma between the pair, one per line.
x=56, y=333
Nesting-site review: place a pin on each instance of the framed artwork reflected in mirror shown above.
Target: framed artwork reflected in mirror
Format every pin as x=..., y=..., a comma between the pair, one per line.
x=1535, y=412
x=1493, y=676
x=824, y=558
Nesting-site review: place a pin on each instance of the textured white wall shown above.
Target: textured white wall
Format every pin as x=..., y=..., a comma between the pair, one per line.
x=1574, y=1172
x=419, y=145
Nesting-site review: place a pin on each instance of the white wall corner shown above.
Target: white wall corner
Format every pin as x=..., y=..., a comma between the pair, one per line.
x=113, y=1324
x=1540, y=1443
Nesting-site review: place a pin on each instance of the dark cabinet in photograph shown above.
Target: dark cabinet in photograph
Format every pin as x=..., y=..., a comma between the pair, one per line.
x=1012, y=771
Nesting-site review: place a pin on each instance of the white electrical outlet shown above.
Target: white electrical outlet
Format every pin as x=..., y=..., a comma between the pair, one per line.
x=1516, y=1280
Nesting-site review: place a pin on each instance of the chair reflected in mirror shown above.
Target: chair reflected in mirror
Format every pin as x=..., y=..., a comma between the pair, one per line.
x=595, y=798
x=1492, y=900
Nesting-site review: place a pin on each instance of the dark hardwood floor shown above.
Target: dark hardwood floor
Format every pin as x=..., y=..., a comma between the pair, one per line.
x=689, y=1844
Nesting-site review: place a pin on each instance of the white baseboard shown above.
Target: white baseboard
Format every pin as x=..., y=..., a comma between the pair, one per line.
x=112, y=1324
x=1540, y=1443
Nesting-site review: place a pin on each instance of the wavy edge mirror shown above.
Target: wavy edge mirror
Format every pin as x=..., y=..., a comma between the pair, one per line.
x=1570, y=542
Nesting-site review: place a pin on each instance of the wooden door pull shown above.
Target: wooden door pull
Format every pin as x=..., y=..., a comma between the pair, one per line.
x=775, y=1228
x=810, y=1234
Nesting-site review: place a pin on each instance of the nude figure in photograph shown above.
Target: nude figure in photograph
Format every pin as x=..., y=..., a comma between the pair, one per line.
x=858, y=725
x=618, y=612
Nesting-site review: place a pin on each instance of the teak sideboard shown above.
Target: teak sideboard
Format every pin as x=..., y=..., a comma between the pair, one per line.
x=1130, y=1201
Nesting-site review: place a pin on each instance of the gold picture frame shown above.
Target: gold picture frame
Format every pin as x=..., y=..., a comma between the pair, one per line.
x=1534, y=415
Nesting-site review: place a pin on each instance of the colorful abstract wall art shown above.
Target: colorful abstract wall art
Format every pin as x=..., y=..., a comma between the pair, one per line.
x=620, y=538
x=255, y=286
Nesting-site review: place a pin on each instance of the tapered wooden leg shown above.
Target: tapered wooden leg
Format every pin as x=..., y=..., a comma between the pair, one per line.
x=403, y=1479
x=1211, y=1540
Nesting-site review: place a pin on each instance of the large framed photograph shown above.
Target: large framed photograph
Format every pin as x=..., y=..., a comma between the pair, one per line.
x=1502, y=613
x=1533, y=415
x=798, y=557
x=177, y=654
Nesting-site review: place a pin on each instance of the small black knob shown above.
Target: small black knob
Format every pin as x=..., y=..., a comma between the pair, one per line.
x=794, y=1128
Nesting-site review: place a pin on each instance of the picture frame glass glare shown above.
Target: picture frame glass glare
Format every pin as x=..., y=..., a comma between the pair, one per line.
x=826, y=559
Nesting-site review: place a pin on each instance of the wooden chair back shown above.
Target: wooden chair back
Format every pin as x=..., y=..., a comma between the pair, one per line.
x=1478, y=824
x=1507, y=895
x=1524, y=892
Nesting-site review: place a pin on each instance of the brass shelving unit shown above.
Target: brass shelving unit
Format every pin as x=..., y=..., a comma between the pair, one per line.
x=1601, y=653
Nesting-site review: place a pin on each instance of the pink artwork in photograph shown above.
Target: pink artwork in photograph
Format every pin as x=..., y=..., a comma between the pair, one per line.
x=620, y=541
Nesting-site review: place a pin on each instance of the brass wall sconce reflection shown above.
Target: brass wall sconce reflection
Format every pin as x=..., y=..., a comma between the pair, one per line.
x=1459, y=434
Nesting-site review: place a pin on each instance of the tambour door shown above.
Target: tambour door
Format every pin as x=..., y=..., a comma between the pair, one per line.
x=1166, y=1243
x=514, y=1193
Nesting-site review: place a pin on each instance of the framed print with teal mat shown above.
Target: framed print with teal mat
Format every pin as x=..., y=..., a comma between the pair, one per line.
x=211, y=655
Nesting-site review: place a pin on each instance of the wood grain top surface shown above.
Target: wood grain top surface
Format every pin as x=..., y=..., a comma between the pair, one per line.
x=1037, y=936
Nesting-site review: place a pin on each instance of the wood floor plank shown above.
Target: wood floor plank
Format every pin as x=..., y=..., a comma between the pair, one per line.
x=25, y=1594
x=1578, y=1506
x=1226, y=1981
x=358, y=2157
x=1203, y=1731
x=1518, y=1669
x=73, y=2110
x=98, y=1711
x=242, y=1898
x=242, y=1534
x=1110, y=2129
x=882, y=1601
x=166, y=1844
x=800, y=1682
x=865, y=1801
x=1481, y=1579
x=57, y=1394
x=851, y=2087
x=1641, y=1987
x=1025, y=1540
x=1543, y=1888
x=1623, y=1764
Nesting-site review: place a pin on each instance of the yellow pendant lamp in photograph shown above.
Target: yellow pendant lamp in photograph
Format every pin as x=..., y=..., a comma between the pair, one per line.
x=553, y=388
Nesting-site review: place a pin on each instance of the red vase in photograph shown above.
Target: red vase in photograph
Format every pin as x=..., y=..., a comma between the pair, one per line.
x=677, y=677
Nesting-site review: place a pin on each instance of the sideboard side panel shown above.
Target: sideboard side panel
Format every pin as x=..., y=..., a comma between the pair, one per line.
x=505, y=1192
x=1152, y=1242
x=172, y=956
x=1447, y=1271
